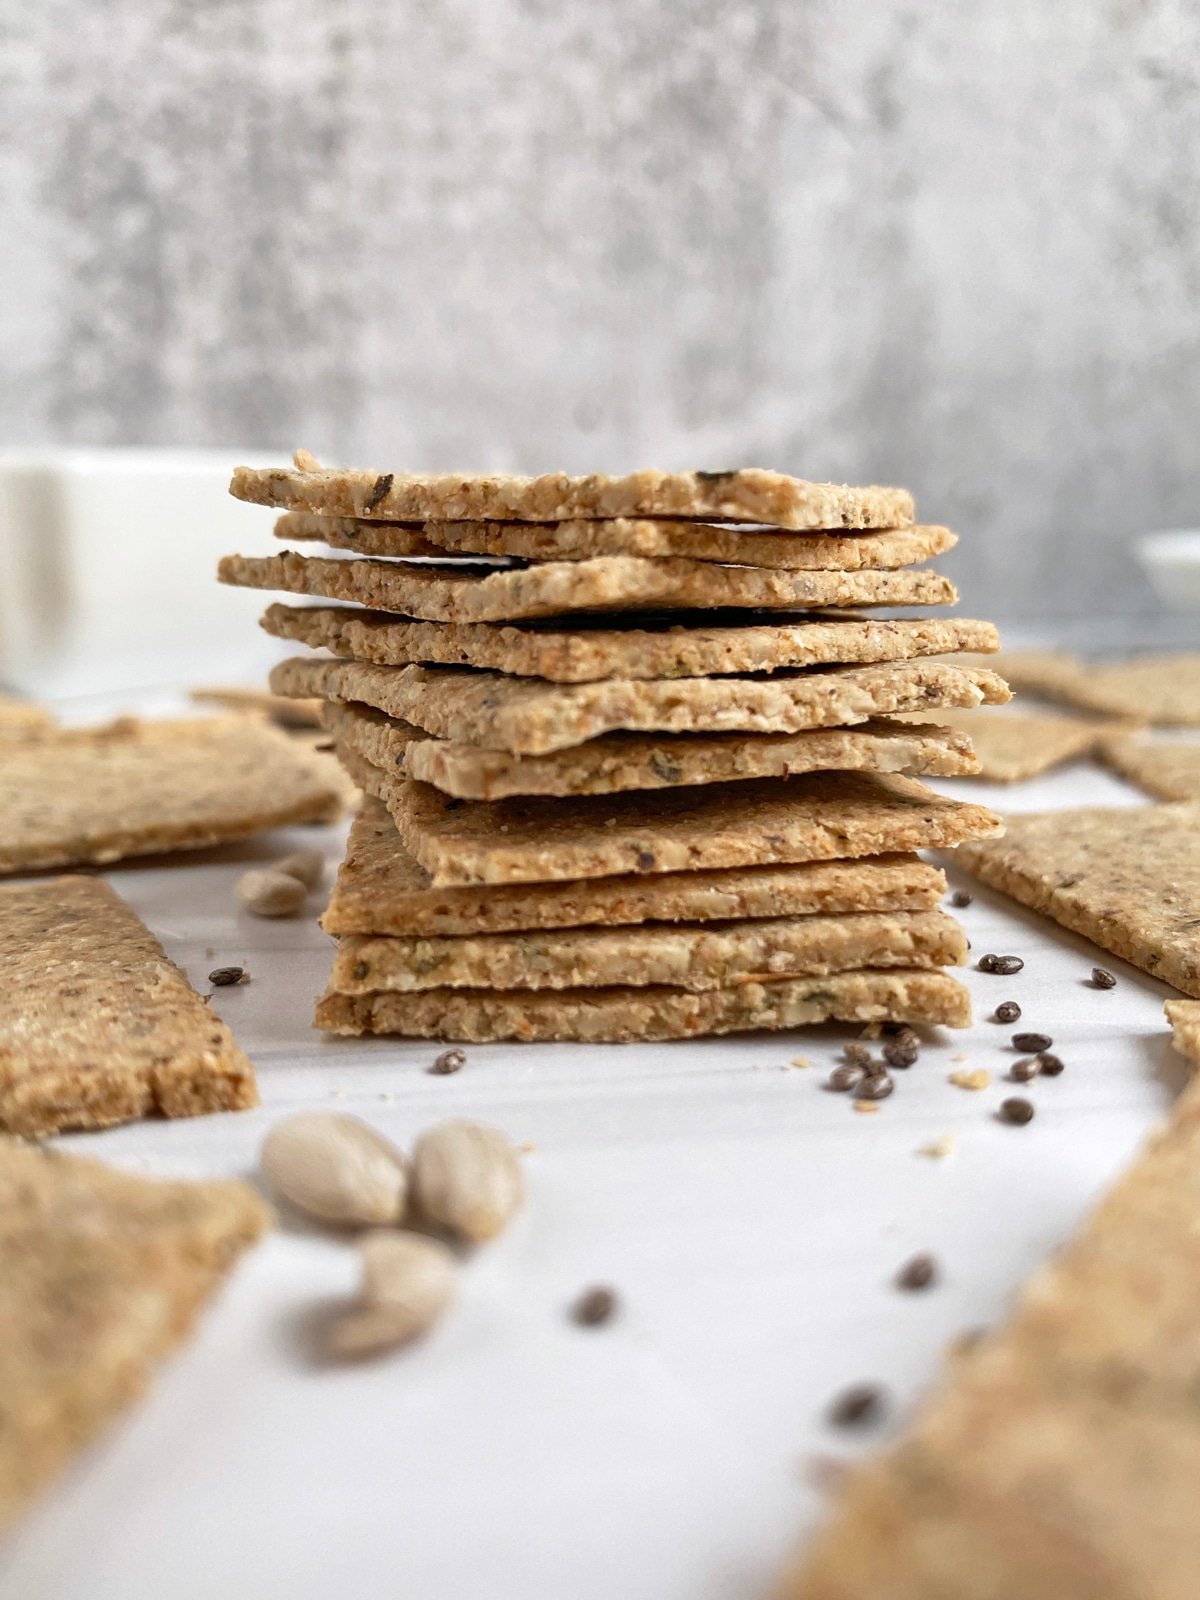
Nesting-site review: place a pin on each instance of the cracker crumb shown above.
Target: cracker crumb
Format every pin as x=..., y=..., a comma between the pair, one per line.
x=797, y=1061
x=937, y=1149
x=865, y=1105
x=871, y=1031
x=528, y=1148
x=979, y=1079
x=208, y=952
x=961, y=1056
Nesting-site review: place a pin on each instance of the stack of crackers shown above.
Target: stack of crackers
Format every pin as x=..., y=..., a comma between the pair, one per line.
x=630, y=747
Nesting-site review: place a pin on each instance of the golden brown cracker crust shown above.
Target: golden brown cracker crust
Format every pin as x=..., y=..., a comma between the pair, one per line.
x=1167, y=770
x=583, y=655
x=654, y=539
x=139, y=788
x=381, y=889
x=101, y=1275
x=618, y=1016
x=821, y=816
x=459, y=593
x=751, y=494
x=97, y=1026
x=527, y=717
x=1128, y=879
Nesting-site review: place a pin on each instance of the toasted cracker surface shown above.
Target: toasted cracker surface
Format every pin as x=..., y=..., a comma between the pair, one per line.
x=669, y=650
x=1011, y=746
x=1128, y=879
x=1164, y=689
x=654, y=539
x=634, y=761
x=458, y=593
x=1167, y=770
x=381, y=889
x=621, y=1015
x=1184, y=1017
x=101, y=1276
x=22, y=719
x=1057, y=1461
x=137, y=788
x=279, y=708
x=97, y=1026
x=821, y=816
x=695, y=957
x=528, y=717
x=751, y=494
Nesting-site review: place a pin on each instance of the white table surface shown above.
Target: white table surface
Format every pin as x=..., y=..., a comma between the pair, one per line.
x=750, y=1221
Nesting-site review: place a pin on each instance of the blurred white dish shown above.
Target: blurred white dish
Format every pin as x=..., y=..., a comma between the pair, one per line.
x=108, y=570
x=1171, y=560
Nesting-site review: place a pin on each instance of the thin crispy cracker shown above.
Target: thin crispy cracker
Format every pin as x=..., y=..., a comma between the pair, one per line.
x=818, y=817
x=751, y=494
x=1128, y=879
x=624, y=1015
x=259, y=702
x=656, y=539
x=461, y=593
x=138, y=788
x=634, y=761
x=381, y=889
x=1058, y=1460
x=686, y=956
x=1011, y=747
x=1184, y=1017
x=101, y=1276
x=1162, y=689
x=22, y=719
x=96, y=1025
x=667, y=650
x=528, y=717
x=1165, y=769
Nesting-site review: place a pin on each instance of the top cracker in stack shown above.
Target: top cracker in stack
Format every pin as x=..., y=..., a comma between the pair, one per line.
x=651, y=710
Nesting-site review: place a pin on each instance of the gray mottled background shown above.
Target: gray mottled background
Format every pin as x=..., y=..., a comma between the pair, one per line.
x=950, y=245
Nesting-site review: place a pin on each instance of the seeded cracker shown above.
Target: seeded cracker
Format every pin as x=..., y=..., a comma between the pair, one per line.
x=1011, y=747
x=1184, y=1017
x=1127, y=879
x=1167, y=770
x=287, y=713
x=96, y=1025
x=460, y=593
x=693, y=957
x=821, y=816
x=634, y=761
x=726, y=643
x=381, y=889
x=137, y=788
x=749, y=495
x=101, y=1275
x=22, y=719
x=654, y=540
x=616, y=1015
x=1059, y=1459
x=530, y=718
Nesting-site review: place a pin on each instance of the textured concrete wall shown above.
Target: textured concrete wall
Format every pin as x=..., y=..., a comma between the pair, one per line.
x=950, y=245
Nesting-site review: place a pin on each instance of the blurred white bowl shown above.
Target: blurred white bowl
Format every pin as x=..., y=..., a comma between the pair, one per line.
x=1171, y=560
x=108, y=571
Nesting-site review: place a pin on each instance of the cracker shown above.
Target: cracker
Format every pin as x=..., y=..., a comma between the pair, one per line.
x=1058, y=1460
x=748, y=495
x=96, y=1025
x=1184, y=1017
x=528, y=717
x=1164, y=689
x=277, y=707
x=724, y=644
x=1167, y=770
x=22, y=719
x=381, y=889
x=101, y=1276
x=136, y=788
x=819, y=817
x=633, y=761
x=461, y=593
x=1128, y=879
x=695, y=957
x=623, y=536
x=1011, y=747
x=625, y=1015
